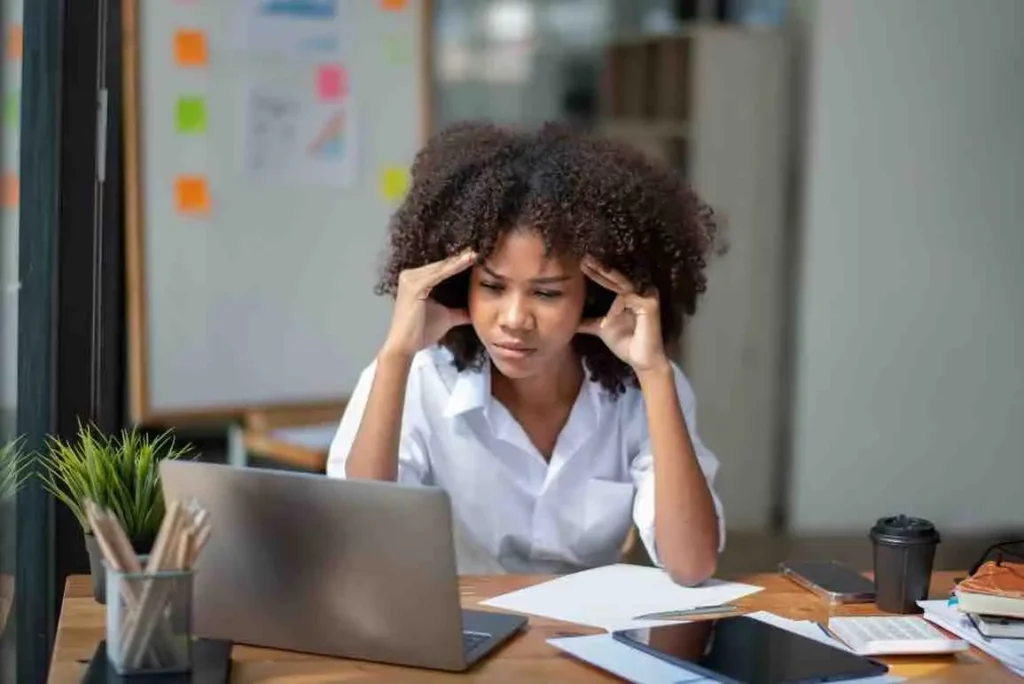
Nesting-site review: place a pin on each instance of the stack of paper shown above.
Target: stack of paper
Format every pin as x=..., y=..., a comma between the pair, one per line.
x=603, y=651
x=612, y=597
x=1010, y=652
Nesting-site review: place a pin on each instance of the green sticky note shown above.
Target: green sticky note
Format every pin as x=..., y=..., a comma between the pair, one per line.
x=12, y=108
x=191, y=115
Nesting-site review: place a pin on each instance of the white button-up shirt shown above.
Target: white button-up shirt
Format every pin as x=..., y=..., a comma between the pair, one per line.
x=512, y=510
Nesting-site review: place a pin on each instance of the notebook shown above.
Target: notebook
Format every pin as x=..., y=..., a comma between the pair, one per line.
x=995, y=589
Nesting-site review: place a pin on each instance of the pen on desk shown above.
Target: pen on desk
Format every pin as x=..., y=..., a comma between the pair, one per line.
x=688, y=612
x=828, y=632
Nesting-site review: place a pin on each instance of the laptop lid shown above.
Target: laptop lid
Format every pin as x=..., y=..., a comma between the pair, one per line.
x=348, y=568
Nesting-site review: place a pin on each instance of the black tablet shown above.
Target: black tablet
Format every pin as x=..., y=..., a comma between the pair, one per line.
x=743, y=650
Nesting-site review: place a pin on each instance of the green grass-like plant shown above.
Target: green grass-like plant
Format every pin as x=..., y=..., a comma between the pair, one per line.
x=118, y=473
x=14, y=468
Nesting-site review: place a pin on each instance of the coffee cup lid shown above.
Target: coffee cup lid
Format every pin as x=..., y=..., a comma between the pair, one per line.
x=905, y=528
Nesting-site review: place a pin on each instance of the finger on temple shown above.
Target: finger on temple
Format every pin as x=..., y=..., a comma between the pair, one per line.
x=601, y=279
x=609, y=278
x=452, y=265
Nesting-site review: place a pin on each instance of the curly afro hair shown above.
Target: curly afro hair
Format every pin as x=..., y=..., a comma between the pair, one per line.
x=583, y=195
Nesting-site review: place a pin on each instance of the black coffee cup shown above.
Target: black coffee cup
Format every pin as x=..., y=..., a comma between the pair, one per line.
x=904, y=551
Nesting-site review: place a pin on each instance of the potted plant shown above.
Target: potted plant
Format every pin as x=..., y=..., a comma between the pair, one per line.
x=119, y=473
x=13, y=472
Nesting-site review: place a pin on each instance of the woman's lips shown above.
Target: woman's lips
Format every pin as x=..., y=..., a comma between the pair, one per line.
x=513, y=351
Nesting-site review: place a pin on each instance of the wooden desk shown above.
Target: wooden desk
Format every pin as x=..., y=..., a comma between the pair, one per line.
x=527, y=658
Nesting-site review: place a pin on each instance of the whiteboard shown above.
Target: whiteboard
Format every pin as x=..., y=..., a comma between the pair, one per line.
x=267, y=144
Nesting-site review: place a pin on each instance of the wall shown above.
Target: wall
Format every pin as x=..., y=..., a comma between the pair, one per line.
x=909, y=373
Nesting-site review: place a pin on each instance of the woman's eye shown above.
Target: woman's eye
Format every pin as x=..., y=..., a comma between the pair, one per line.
x=496, y=287
x=549, y=294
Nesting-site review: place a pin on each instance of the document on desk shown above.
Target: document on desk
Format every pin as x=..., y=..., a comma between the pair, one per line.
x=611, y=597
x=603, y=651
x=1010, y=652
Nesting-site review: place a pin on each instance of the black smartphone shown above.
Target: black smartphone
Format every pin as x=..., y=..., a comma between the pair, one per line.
x=833, y=581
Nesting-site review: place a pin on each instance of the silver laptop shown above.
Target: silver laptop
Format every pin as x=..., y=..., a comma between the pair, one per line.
x=348, y=568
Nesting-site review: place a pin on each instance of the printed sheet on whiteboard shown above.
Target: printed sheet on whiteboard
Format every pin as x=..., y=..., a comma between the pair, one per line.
x=293, y=136
x=308, y=29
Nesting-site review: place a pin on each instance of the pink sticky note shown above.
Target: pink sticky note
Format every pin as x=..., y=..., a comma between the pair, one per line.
x=330, y=82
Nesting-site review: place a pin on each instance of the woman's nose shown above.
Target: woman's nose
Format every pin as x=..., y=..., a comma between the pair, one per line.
x=515, y=314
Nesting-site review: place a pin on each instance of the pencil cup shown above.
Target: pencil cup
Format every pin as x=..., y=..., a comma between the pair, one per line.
x=149, y=621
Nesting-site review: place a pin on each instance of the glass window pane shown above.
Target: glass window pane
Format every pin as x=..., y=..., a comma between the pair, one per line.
x=10, y=80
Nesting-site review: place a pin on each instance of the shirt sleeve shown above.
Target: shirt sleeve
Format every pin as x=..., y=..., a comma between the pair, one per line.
x=642, y=469
x=413, y=455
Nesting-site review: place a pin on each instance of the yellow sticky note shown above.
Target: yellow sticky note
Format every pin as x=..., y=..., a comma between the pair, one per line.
x=10, y=192
x=192, y=195
x=190, y=48
x=15, y=43
x=394, y=182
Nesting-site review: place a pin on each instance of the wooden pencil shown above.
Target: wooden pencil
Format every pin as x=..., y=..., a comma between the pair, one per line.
x=183, y=533
x=161, y=559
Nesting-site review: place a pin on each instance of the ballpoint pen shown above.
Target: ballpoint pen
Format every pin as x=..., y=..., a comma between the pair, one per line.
x=689, y=612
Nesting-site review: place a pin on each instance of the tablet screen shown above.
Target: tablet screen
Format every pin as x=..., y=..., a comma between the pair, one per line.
x=742, y=649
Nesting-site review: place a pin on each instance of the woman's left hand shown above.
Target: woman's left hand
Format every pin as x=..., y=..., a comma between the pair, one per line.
x=632, y=326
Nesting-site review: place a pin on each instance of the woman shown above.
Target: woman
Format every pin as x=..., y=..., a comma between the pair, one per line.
x=538, y=280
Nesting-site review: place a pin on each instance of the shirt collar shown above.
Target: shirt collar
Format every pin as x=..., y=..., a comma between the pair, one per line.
x=472, y=390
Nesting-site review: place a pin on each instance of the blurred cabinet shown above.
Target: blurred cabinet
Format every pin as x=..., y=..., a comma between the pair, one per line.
x=713, y=102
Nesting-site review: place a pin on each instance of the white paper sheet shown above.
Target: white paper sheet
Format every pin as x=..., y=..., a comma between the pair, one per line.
x=302, y=29
x=292, y=136
x=1009, y=651
x=611, y=597
x=807, y=628
x=603, y=651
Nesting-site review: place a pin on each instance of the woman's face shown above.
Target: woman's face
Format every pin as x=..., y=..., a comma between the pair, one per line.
x=525, y=306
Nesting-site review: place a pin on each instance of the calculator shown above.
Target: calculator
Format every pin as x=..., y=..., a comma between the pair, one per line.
x=892, y=635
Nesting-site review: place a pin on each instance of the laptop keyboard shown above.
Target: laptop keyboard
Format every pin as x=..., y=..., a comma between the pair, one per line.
x=471, y=640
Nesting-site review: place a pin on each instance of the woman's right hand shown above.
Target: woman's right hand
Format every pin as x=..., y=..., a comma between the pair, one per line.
x=419, y=321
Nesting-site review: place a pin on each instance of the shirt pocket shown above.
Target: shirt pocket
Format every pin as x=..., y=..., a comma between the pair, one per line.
x=606, y=517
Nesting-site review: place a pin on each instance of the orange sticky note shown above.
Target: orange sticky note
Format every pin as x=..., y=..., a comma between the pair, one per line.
x=11, y=191
x=190, y=48
x=394, y=5
x=193, y=195
x=15, y=43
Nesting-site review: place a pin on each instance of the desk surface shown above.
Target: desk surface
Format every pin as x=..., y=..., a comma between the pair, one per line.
x=527, y=658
